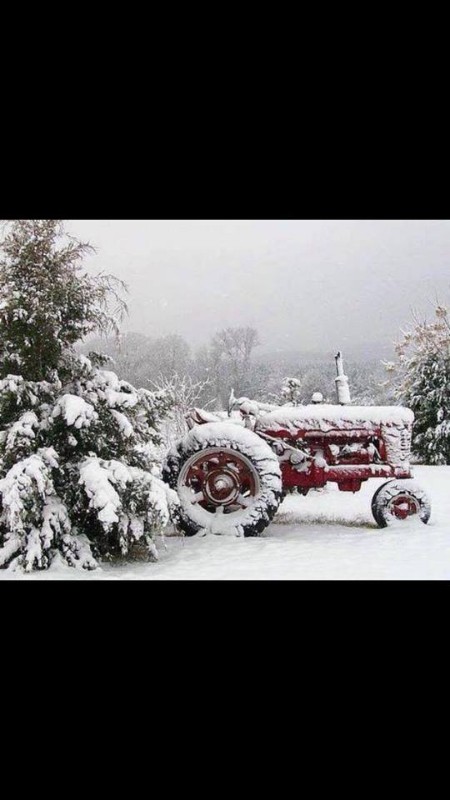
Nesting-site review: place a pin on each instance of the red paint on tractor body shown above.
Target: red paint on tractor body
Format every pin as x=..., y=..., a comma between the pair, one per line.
x=348, y=470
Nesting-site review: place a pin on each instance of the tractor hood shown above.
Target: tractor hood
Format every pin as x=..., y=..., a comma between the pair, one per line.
x=331, y=417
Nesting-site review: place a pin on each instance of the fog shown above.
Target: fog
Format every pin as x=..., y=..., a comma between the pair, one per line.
x=304, y=285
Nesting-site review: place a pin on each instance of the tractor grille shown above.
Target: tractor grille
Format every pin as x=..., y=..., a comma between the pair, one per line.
x=397, y=441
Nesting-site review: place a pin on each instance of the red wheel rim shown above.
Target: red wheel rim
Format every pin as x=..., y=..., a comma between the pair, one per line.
x=403, y=506
x=220, y=478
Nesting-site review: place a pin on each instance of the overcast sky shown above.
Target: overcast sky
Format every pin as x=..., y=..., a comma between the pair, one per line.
x=305, y=285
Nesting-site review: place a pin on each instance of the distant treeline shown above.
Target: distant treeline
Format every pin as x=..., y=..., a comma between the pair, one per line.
x=230, y=360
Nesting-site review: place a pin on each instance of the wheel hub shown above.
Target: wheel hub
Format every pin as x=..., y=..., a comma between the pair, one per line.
x=222, y=487
x=403, y=506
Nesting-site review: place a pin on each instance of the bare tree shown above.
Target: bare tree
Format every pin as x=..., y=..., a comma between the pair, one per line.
x=236, y=344
x=185, y=393
x=139, y=358
x=231, y=351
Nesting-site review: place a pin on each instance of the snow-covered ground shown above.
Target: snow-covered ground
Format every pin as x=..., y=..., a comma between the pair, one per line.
x=326, y=535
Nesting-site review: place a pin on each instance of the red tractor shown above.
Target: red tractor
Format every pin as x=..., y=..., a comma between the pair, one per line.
x=231, y=474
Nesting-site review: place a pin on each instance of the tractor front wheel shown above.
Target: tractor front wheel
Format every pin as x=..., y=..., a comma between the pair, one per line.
x=399, y=500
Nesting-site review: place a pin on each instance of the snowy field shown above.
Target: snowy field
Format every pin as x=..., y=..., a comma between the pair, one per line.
x=326, y=535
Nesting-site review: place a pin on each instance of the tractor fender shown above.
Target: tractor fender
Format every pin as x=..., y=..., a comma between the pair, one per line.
x=198, y=416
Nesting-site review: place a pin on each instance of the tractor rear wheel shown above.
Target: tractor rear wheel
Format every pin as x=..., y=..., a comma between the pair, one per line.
x=400, y=500
x=227, y=478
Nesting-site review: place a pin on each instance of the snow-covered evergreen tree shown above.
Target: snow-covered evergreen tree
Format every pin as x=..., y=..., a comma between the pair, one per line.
x=231, y=362
x=422, y=382
x=78, y=478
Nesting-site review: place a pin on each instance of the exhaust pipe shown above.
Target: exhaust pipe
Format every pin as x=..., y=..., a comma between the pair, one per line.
x=342, y=387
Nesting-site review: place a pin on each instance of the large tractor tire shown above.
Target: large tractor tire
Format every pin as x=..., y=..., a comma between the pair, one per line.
x=400, y=500
x=227, y=478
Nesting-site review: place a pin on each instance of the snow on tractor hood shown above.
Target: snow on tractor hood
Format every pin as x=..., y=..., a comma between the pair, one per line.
x=328, y=417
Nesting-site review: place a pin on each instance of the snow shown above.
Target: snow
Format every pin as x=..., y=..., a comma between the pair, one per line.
x=98, y=478
x=11, y=383
x=22, y=429
x=17, y=484
x=123, y=423
x=105, y=481
x=75, y=411
x=343, y=391
x=325, y=417
x=115, y=392
x=214, y=435
x=326, y=535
